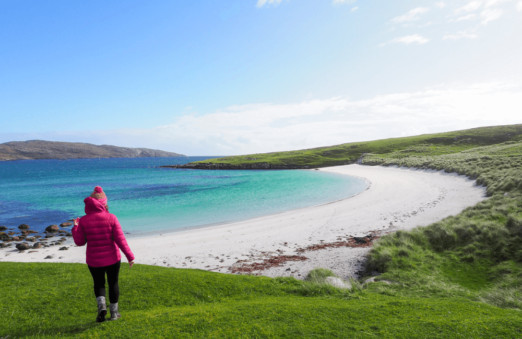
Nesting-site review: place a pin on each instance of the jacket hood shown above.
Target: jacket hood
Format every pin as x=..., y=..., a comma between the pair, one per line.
x=94, y=205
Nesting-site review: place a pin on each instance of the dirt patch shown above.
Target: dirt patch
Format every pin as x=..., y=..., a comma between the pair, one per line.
x=365, y=241
x=270, y=260
x=242, y=266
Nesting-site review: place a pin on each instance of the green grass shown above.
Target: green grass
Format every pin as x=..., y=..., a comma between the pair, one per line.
x=477, y=253
x=428, y=144
x=50, y=300
x=319, y=275
x=458, y=278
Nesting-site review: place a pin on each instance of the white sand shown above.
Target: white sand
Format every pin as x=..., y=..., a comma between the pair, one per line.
x=396, y=199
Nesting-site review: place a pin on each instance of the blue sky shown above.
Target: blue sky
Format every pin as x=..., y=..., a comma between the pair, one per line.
x=236, y=77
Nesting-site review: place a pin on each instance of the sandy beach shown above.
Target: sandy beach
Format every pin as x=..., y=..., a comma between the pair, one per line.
x=289, y=243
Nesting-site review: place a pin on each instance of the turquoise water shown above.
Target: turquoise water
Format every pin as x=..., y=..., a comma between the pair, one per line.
x=146, y=198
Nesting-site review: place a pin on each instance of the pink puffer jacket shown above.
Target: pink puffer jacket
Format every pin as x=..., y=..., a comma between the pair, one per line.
x=102, y=233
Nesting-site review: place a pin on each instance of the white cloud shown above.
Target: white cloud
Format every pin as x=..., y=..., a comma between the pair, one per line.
x=354, y=9
x=460, y=35
x=411, y=15
x=492, y=3
x=440, y=4
x=342, y=2
x=489, y=15
x=466, y=17
x=276, y=127
x=409, y=39
x=469, y=7
x=484, y=11
x=261, y=3
x=519, y=6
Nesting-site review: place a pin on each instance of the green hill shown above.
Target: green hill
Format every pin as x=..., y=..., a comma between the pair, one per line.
x=55, y=300
x=432, y=144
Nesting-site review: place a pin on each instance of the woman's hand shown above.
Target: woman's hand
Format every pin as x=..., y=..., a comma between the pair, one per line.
x=76, y=221
x=131, y=263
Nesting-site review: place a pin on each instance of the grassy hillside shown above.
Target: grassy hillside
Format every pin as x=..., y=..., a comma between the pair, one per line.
x=428, y=144
x=478, y=252
x=51, y=300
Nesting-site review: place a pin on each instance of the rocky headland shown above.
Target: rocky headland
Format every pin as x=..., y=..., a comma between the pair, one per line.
x=41, y=149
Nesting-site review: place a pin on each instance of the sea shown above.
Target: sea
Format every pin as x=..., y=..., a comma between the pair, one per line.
x=147, y=198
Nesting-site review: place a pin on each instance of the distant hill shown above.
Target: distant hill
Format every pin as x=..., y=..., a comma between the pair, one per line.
x=432, y=144
x=41, y=149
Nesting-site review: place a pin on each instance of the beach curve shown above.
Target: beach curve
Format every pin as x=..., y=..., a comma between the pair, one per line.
x=397, y=198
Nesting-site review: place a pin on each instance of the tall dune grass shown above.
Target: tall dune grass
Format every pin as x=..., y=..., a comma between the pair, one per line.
x=477, y=253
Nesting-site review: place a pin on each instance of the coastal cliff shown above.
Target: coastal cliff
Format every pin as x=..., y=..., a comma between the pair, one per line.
x=41, y=149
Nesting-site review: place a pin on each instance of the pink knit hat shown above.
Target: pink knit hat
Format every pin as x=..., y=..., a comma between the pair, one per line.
x=99, y=194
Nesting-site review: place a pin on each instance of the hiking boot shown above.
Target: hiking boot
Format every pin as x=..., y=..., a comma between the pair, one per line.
x=115, y=315
x=102, y=309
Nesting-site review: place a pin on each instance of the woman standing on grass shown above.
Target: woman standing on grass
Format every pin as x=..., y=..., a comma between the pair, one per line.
x=102, y=233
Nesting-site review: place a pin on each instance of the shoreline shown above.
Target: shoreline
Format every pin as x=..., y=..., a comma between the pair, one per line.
x=396, y=198
x=169, y=232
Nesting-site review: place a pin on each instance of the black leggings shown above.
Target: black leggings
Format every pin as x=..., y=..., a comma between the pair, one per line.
x=98, y=275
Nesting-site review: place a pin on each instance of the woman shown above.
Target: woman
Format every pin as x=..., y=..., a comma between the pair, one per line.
x=102, y=233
